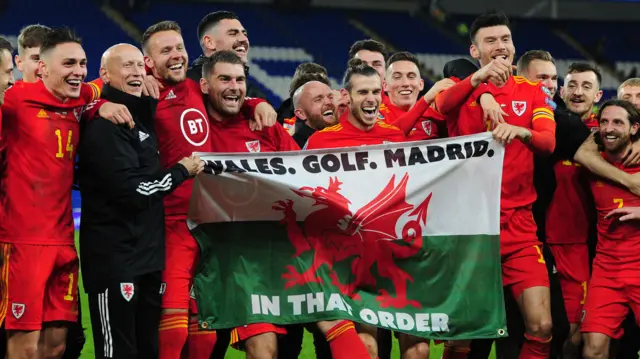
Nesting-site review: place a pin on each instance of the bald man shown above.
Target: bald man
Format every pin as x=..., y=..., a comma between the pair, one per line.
x=314, y=105
x=122, y=236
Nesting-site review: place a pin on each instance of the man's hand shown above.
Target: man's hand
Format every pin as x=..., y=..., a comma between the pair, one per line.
x=193, y=165
x=265, y=116
x=498, y=69
x=438, y=87
x=633, y=157
x=491, y=109
x=625, y=213
x=151, y=87
x=505, y=133
x=116, y=113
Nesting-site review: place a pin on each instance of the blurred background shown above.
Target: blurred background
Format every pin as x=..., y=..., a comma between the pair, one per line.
x=284, y=33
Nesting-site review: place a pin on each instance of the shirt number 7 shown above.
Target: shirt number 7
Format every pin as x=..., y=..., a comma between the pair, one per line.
x=619, y=201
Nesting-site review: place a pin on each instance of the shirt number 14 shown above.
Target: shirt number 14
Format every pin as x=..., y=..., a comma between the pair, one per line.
x=69, y=147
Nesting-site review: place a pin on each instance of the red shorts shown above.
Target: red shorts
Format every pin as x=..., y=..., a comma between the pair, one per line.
x=523, y=265
x=240, y=334
x=40, y=285
x=181, y=256
x=608, y=303
x=572, y=264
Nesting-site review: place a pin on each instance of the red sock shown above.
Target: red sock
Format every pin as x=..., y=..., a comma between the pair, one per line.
x=453, y=352
x=200, y=342
x=535, y=348
x=173, y=335
x=345, y=343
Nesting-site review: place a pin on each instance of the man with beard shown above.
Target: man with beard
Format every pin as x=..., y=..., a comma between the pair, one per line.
x=581, y=91
x=286, y=115
x=224, y=82
x=29, y=42
x=182, y=128
x=360, y=126
x=222, y=30
x=629, y=345
x=531, y=123
x=374, y=54
x=615, y=284
x=314, y=106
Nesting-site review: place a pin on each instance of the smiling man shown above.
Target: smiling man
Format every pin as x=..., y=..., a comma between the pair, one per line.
x=222, y=30
x=581, y=91
x=29, y=42
x=122, y=227
x=615, y=285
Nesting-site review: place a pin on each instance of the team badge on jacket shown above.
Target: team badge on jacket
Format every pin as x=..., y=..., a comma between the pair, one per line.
x=426, y=126
x=253, y=146
x=518, y=107
x=127, y=291
x=18, y=310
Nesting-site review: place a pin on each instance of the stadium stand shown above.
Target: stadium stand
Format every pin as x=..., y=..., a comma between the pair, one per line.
x=281, y=39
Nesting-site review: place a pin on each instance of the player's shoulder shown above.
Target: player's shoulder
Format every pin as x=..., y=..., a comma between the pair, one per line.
x=388, y=127
x=520, y=80
x=335, y=128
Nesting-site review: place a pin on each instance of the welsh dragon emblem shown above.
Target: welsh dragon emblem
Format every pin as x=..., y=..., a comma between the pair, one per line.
x=368, y=237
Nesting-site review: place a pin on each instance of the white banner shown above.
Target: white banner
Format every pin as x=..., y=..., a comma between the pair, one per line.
x=464, y=175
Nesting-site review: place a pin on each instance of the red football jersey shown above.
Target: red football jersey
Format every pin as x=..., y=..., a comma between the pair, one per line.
x=183, y=128
x=41, y=135
x=527, y=105
x=618, y=249
x=572, y=204
x=344, y=134
x=234, y=135
x=420, y=118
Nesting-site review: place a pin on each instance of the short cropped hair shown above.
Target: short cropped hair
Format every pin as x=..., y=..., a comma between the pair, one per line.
x=403, y=56
x=532, y=55
x=32, y=36
x=370, y=45
x=579, y=67
x=58, y=36
x=222, y=56
x=489, y=19
x=211, y=20
x=161, y=26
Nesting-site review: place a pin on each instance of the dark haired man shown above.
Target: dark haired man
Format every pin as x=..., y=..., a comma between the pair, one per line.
x=412, y=115
x=581, y=90
x=224, y=82
x=222, y=30
x=374, y=54
x=530, y=128
x=614, y=287
x=181, y=99
x=41, y=120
